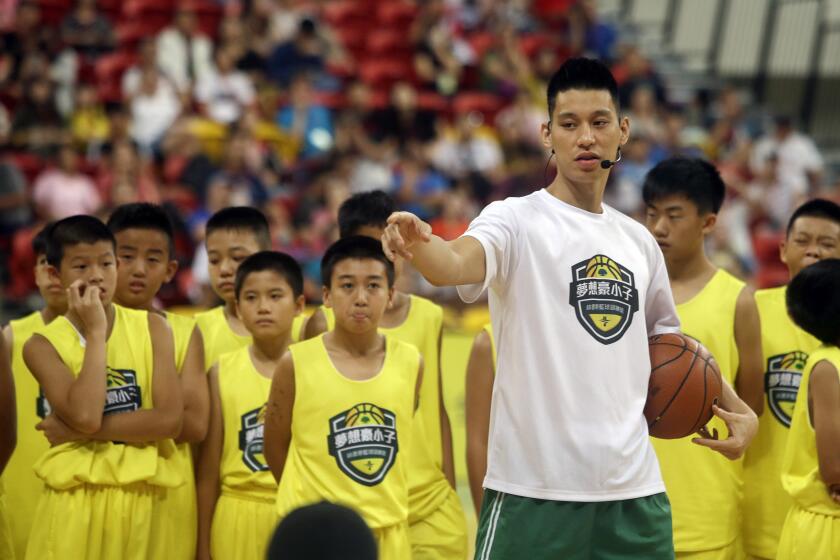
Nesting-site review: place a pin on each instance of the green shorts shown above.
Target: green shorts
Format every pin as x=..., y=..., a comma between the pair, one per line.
x=512, y=527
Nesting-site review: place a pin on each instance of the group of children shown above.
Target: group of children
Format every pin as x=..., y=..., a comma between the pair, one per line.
x=728, y=509
x=167, y=436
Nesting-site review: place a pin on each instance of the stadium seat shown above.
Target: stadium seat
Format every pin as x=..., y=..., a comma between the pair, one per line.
x=131, y=32
x=485, y=103
x=385, y=71
x=481, y=42
x=388, y=41
x=341, y=13
x=396, y=14
x=110, y=67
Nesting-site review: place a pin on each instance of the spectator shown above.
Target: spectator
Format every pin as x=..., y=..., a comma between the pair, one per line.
x=89, y=123
x=28, y=36
x=37, y=126
x=403, y=122
x=519, y=123
x=183, y=52
x=800, y=166
x=625, y=193
x=588, y=34
x=225, y=93
x=418, y=188
x=238, y=180
x=307, y=52
x=435, y=63
x=644, y=114
x=633, y=71
x=310, y=124
x=125, y=177
x=154, y=108
x=63, y=191
x=147, y=61
x=86, y=31
x=456, y=215
x=14, y=206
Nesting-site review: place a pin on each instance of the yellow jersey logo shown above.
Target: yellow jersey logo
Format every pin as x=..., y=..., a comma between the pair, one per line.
x=781, y=383
x=363, y=441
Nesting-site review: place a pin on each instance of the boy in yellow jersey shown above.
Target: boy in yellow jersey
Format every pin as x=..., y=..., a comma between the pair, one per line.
x=237, y=493
x=23, y=488
x=437, y=527
x=146, y=251
x=108, y=374
x=233, y=234
x=813, y=234
x=811, y=465
x=338, y=422
x=481, y=369
x=683, y=197
x=8, y=439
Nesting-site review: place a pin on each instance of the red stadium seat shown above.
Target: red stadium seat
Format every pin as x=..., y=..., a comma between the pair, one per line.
x=431, y=101
x=341, y=13
x=388, y=41
x=485, y=103
x=110, y=67
x=131, y=32
x=481, y=42
x=29, y=164
x=530, y=44
x=385, y=71
x=395, y=13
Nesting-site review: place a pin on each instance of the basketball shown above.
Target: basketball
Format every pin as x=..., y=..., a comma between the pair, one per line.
x=600, y=266
x=684, y=384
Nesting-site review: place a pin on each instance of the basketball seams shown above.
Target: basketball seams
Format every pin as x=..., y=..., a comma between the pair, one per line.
x=676, y=392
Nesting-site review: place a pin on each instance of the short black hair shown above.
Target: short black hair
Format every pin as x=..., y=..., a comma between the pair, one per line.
x=322, y=531
x=354, y=247
x=694, y=178
x=813, y=301
x=281, y=263
x=72, y=231
x=581, y=73
x=241, y=218
x=143, y=215
x=370, y=208
x=39, y=242
x=816, y=208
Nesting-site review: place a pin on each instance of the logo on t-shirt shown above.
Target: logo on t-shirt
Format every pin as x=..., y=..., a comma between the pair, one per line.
x=604, y=296
x=251, y=439
x=123, y=393
x=363, y=441
x=781, y=383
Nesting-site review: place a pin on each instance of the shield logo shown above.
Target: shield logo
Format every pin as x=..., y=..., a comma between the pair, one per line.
x=781, y=383
x=604, y=296
x=363, y=441
x=251, y=439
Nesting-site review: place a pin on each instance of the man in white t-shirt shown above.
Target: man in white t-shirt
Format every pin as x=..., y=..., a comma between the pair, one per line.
x=576, y=288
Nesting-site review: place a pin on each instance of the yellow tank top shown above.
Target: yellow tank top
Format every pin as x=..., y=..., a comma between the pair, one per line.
x=23, y=488
x=218, y=337
x=800, y=467
x=428, y=487
x=698, y=480
x=351, y=439
x=244, y=392
x=129, y=369
x=786, y=348
x=488, y=328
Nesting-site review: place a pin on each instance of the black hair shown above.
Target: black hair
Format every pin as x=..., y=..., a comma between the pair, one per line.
x=581, y=73
x=72, y=231
x=322, y=531
x=242, y=218
x=694, y=178
x=813, y=301
x=281, y=263
x=370, y=208
x=143, y=215
x=39, y=242
x=816, y=208
x=354, y=247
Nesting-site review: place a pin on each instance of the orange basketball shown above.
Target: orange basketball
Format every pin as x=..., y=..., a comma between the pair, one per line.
x=684, y=383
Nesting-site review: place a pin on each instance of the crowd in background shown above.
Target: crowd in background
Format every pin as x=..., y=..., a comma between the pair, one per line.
x=293, y=105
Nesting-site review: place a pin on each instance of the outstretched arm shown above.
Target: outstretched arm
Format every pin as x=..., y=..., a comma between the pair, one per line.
x=443, y=263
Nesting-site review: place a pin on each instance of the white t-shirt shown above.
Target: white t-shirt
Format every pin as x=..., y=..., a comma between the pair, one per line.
x=574, y=297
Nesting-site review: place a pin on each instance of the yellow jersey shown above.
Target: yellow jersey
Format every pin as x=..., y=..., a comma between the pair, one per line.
x=218, y=337
x=129, y=364
x=704, y=487
x=244, y=392
x=23, y=488
x=351, y=439
x=786, y=348
x=428, y=487
x=800, y=466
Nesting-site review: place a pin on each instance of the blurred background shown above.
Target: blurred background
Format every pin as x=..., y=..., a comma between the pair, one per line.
x=293, y=105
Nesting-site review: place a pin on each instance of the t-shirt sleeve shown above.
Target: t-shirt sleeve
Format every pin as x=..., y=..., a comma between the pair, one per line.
x=660, y=311
x=495, y=228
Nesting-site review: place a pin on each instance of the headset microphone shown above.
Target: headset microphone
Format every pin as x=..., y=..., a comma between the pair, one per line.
x=606, y=164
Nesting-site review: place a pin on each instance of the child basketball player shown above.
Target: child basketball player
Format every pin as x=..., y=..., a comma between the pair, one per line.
x=8, y=439
x=338, y=423
x=436, y=522
x=108, y=374
x=145, y=251
x=233, y=234
x=481, y=369
x=811, y=464
x=23, y=488
x=683, y=197
x=575, y=289
x=813, y=234
x=237, y=493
